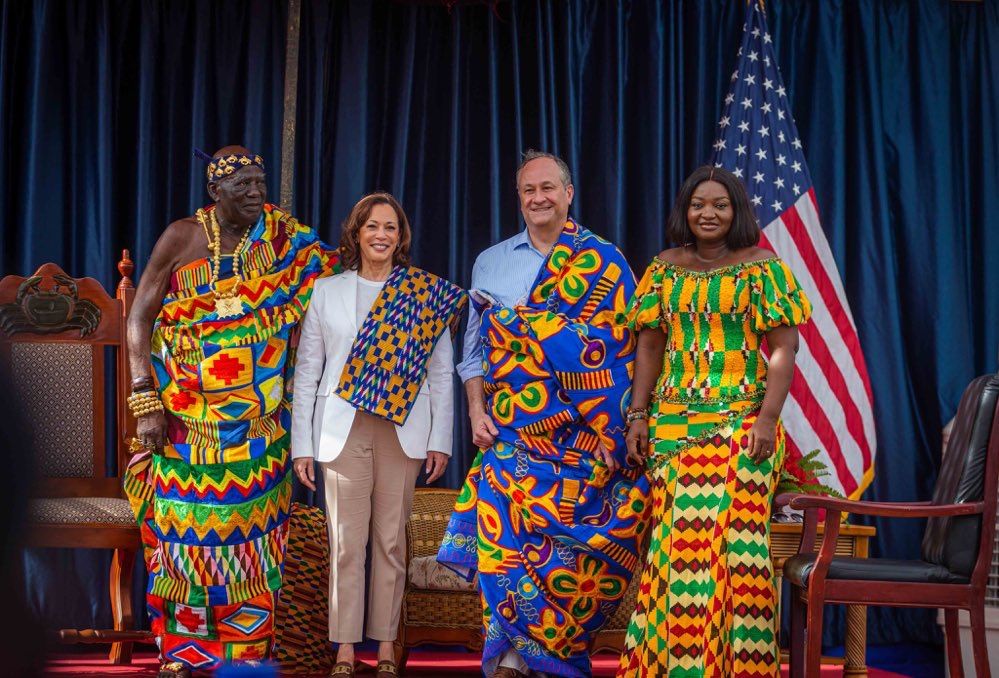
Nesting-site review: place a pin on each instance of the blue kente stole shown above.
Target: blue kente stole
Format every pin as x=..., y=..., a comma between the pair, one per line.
x=553, y=536
x=388, y=361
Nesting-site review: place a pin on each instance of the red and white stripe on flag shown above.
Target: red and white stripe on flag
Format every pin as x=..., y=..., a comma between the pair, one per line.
x=830, y=406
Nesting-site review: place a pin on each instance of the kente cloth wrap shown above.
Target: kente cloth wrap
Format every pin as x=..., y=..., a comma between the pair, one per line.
x=220, y=168
x=301, y=629
x=213, y=507
x=552, y=534
x=388, y=361
x=707, y=601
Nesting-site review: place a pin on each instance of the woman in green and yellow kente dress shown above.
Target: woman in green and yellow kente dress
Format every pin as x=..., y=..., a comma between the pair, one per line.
x=705, y=421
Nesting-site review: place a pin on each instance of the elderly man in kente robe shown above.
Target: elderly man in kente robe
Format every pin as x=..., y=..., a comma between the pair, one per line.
x=218, y=302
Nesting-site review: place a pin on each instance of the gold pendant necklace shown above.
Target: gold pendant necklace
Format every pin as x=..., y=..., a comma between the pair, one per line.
x=227, y=303
x=228, y=307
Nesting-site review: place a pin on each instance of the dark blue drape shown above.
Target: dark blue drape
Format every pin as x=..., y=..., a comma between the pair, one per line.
x=896, y=102
x=100, y=106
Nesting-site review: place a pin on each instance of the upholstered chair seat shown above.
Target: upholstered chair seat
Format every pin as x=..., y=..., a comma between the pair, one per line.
x=81, y=511
x=798, y=568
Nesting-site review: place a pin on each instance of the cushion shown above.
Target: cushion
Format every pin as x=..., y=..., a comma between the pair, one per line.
x=798, y=568
x=426, y=573
x=81, y=510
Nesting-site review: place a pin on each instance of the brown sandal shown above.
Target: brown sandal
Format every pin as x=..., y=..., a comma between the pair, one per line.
x=387, y=669
x=345, y=669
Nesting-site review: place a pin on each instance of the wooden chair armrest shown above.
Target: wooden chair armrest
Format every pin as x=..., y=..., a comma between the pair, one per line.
x=783, y=499
x=803, y=502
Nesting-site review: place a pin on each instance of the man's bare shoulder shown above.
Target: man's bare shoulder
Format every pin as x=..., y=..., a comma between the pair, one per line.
x=180, y=243
x=182, y=230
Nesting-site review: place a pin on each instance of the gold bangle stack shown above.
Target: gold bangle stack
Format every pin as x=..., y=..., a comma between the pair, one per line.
x=144, y=402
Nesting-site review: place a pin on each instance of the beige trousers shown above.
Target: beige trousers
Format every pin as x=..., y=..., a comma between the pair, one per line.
x=369, y=490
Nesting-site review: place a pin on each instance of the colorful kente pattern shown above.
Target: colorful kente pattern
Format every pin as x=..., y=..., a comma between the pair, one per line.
x=213, y=508
x=301, y=631
x=388, y=361
x=706, y=600
x=204, y=636
x=552, y=534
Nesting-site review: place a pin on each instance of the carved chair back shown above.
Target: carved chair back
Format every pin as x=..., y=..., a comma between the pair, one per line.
x=62, y=343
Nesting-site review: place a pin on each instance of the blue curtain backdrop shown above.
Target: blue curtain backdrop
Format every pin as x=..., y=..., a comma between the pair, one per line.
x=896, y=102
x=100, y=105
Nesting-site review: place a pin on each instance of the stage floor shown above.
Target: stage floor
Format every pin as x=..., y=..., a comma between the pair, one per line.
x=423, y=664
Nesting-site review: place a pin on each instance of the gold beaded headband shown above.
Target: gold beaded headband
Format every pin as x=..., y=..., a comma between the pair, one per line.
x=222, y=167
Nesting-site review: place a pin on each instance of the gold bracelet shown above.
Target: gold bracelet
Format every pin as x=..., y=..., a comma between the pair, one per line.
x=144, y=402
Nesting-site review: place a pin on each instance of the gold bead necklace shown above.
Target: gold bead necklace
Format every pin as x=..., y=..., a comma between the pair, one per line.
x=227, y=303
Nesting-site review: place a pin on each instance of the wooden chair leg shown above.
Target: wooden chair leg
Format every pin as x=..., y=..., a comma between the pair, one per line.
x=978, y=645
x=856, y=642
x=796, y=646
x=955, y=665
x=813, y=634
x=122, y=566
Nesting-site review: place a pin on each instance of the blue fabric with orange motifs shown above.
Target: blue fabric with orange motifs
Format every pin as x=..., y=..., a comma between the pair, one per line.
x=553, y=535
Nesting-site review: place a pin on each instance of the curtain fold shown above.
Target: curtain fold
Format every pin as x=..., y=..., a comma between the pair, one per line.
x=101, y=103
x=896, y=103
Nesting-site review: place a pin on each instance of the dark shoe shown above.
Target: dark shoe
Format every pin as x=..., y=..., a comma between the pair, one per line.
x=387, y=669
x=343, y=670
x=173, y=670
x=507, y=672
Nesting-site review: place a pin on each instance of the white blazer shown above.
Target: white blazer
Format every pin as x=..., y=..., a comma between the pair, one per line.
x=320, y=418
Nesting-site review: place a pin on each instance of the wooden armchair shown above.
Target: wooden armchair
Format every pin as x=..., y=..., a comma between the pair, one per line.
x=57, y=337
x=956, y=549
x=438, y=606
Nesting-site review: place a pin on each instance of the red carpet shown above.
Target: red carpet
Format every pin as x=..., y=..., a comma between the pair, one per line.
x=425, y=664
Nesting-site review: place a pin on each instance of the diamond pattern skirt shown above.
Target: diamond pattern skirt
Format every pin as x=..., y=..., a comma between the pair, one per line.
x=707, y=602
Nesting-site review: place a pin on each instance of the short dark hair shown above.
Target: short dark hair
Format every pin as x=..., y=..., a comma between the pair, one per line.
x=531, y=154
x=350, y=250
x=745, y=231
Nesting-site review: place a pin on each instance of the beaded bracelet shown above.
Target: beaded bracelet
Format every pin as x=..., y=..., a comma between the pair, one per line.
x=636, y=414
x=144, y=402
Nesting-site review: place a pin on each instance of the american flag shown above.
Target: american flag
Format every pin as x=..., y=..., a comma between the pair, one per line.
x=830, y=406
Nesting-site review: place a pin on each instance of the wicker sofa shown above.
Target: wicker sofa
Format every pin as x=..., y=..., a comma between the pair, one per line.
x=440, y=607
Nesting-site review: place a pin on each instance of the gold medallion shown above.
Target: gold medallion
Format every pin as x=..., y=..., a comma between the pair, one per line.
x=228, y=307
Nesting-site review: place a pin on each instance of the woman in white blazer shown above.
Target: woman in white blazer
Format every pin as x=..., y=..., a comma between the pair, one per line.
x=373, y=402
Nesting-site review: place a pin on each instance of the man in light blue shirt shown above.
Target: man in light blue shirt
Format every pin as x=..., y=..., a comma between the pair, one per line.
x=507, y=270
x=505, y=273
